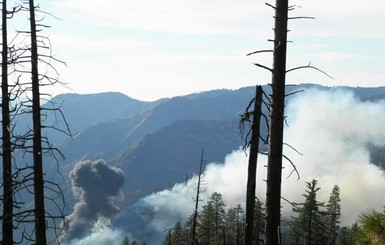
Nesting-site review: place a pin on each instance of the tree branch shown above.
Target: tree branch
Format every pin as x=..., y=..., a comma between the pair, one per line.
x=264, y=67
x=309, y=67
x=294, y=168
x=260, y=51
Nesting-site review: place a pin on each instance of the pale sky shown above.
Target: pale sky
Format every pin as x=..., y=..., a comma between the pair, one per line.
x=151, y=49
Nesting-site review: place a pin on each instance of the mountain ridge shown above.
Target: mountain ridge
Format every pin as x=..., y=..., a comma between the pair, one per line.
x=123, y=139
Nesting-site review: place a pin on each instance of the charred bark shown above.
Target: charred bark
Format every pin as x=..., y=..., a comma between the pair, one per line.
x=7, y=218
x=274, y=166
x=195, y=218
x=40, y=224
x=252, y=168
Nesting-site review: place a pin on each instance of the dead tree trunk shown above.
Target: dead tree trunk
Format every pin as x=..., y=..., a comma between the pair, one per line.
x=252, y=169
x=274, y=165
x=7, y=225
x=40, y=225
x=195, y=218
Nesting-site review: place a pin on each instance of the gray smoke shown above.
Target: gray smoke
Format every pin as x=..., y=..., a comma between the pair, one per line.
x=97, y=186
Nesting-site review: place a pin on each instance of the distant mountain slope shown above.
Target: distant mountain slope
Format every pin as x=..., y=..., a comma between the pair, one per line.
x=366, y=93
x=161, y=141
x=91, y=111
x=172, y=153
x=185, y=108
x=109, y=137
x=83, y=111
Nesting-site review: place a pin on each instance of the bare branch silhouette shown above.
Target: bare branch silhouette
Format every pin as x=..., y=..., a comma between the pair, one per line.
x=309, y=66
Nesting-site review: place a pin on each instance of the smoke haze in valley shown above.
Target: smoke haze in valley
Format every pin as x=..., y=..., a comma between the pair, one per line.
x=331, y=130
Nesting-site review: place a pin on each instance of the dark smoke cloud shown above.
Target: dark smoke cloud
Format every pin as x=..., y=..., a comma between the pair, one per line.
x=97, y=186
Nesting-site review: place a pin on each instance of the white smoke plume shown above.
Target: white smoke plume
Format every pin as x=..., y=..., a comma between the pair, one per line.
x=101, y=237
x=333, y=130
x=330, y=129
x=229, y=179
x=101, y=234
x=97, y=186
x=151, y=216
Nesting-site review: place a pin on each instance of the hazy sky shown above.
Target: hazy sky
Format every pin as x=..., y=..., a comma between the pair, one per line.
x=149, y=49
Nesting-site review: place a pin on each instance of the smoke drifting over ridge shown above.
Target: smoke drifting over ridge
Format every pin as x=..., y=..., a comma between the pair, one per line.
x=331, y=130
x=97, y=186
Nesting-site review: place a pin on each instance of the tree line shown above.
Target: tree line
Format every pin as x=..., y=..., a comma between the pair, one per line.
x=312, y=222
x=217, y=224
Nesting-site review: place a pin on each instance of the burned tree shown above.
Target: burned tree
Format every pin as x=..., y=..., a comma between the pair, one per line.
x=276, y=122
x=40, y=224
x=277, y=118
x=23, y=149
x=253, y=144
x=274, y=165
x=41, y=144
x=7, y=217
x=195, y=216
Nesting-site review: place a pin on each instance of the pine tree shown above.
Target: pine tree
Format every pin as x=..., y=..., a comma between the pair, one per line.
x=259, y=222
x=348, y=235
x=295, y=236
x=333, y=210
x=234, y=225
x=125, y=241
x=167, y=238
x=212, y=220
x=310, y=220
x=177, y=235
x=206, y=226
x=188, y=230
x=372, y=227
x=219, y=216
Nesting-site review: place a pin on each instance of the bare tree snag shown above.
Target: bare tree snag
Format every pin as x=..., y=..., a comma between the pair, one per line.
x=40, y=224
x=7, y=216
x=252, y=168
x=274, y=165
x=195, y=218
